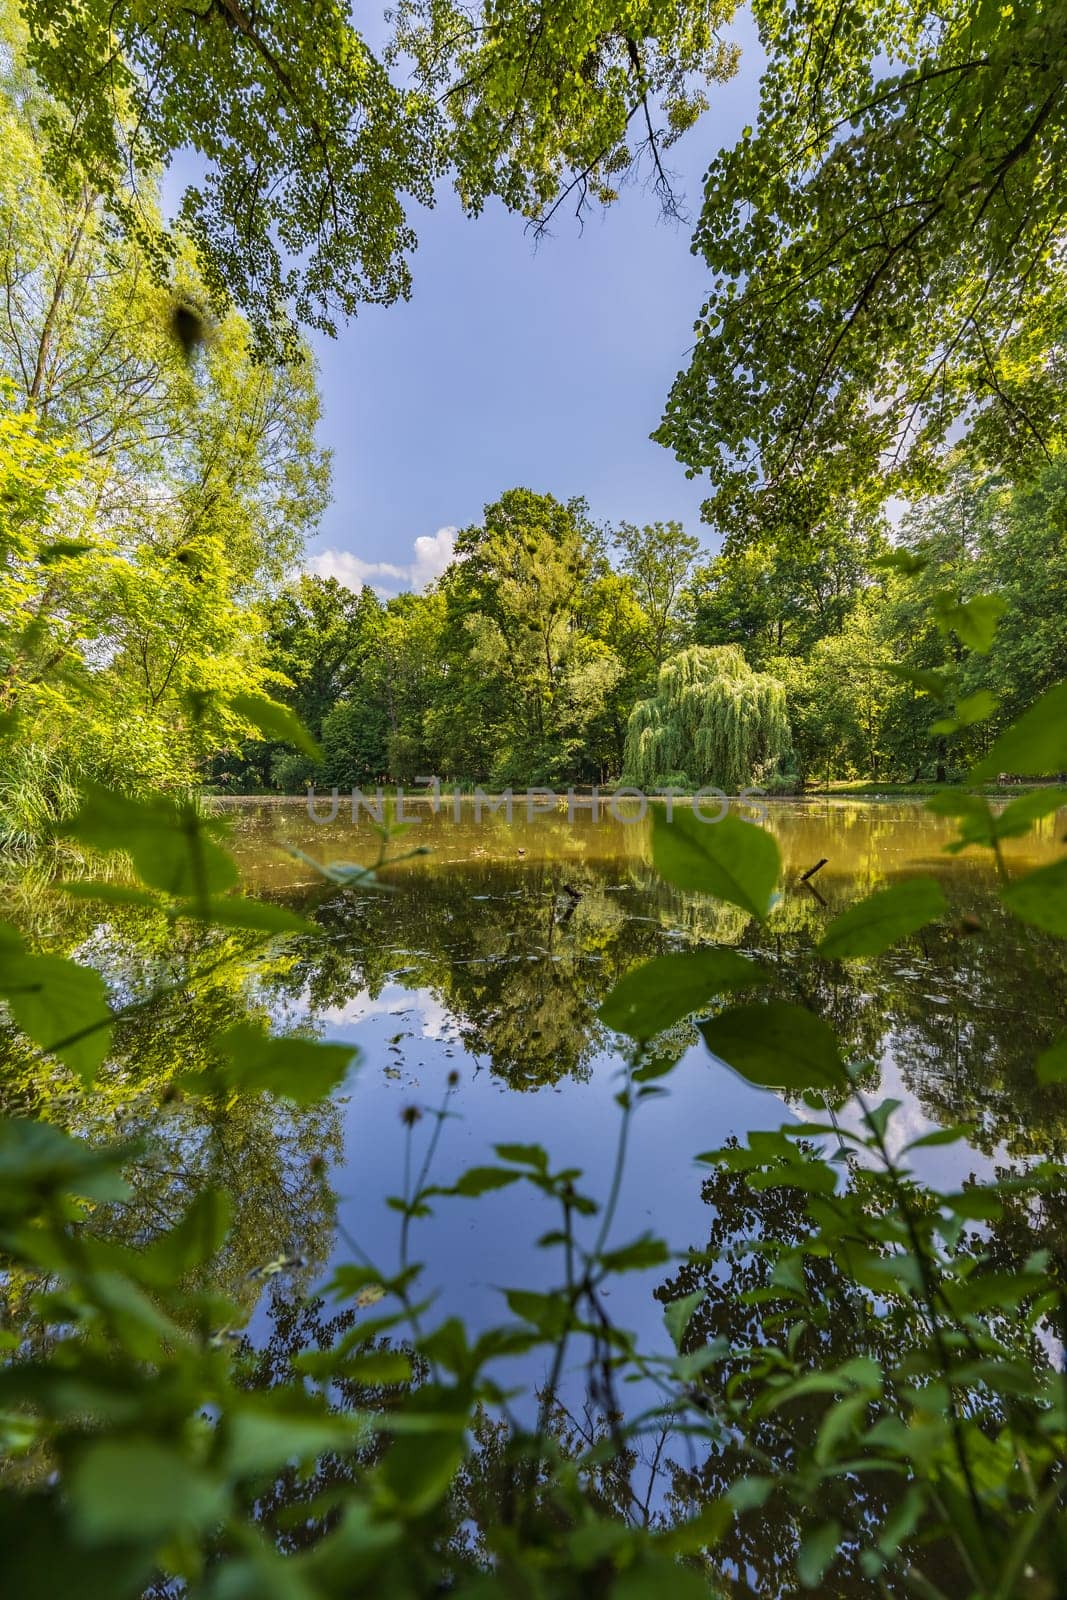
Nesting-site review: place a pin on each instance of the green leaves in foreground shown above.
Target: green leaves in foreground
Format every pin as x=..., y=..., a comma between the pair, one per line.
x=1034, y=746
x=301, y=1070
x=275, y=721
x=777, y=1046
x=1041, y=898
x=661, y=992
x=732, y=860
x=874, y=924
x=60, y=1005
x=172, y=845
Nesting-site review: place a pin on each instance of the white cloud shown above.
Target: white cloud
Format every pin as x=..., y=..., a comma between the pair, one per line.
x=431, y=555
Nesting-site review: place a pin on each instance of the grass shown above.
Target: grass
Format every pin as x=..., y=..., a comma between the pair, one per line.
x=864, y=786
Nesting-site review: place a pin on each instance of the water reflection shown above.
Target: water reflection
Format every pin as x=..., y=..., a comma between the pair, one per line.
x=491, y=958
x=507, y=937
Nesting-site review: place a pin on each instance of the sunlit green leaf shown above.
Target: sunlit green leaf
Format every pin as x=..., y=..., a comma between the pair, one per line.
x=301, y=1070
x=732, y=860
x=935, y=684
x=275, y=721
x=173, y=847
x=652, y=997
x=907, y=562
x=974, y=622
x=238, y=911
x=872, y=925
x=1035, y=745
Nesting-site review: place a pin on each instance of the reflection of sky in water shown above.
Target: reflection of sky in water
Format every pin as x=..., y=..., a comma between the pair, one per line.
x=474, y=1248
x=491, y=959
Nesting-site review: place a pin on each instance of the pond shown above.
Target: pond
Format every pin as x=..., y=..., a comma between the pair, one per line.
x=473, y=982
x=495, y=950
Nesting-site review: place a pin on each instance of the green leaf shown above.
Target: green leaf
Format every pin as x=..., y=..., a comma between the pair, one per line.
x=525, y=1155
x=935, y=684
x=1035, y=745
x=275, y=721
x=1041, y=898
x=974, y=622
x=111, y=894
x=973, y=708
x=63, y=550
x=654, y=996
x=173, y=847
x=874, y=924
x=733, y=860
x=636, y=1257
x=977, y=707
x=678, y=1314
x=37, y=1160
x=263, y=1439
x=816, y=1554
x=903, y=561
x=237, y=911
x=480, y=1180
x=379, y=1366
x=418, y=1470
x=547, y=1312
x=1052, y=1063
x=1018, y=816
x=301, y=1070
x=62, y=1007
x=192, y=1243
x=748, y=1494
x=777, y=1046
x=940, y=1136
x=140, y=1487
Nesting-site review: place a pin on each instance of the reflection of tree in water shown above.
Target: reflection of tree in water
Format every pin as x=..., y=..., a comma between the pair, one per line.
x=837, y=1322
x=268, y=1155
x=522, y=965
x=522, y=960
x=962, y=1010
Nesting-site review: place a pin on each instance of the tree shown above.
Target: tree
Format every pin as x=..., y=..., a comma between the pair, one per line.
x=517, y=596
x=657, y=559
x=712, y=720
x=179, y=491
x=314, y=152
x=887, y=251
x=778, y=591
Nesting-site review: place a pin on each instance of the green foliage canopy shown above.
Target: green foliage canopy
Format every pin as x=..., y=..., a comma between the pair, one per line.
x=887, y=251
x=314, y=148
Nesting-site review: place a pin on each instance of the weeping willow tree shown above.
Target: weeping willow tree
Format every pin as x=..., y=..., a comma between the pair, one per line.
x=711, y=718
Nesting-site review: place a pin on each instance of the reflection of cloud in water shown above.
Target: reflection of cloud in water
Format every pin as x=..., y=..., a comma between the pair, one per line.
x=392, y=1000
x=937, y=1164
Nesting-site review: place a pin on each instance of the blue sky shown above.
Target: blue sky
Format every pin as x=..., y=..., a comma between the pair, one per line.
x=545, y=366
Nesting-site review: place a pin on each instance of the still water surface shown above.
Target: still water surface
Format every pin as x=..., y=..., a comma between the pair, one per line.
x=495, y=950
x=489, y=960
